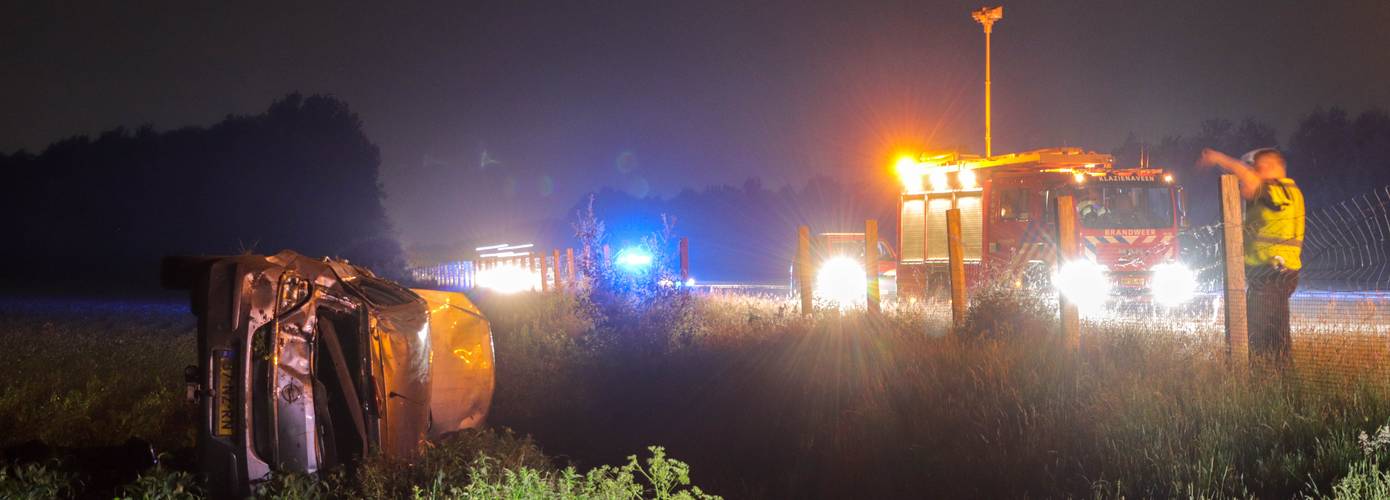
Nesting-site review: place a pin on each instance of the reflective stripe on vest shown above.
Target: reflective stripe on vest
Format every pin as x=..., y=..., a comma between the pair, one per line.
x=1274, y=223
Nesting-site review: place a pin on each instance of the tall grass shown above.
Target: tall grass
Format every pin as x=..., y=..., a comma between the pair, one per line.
x=761, y=401
x=92, y=373
x=764, y=402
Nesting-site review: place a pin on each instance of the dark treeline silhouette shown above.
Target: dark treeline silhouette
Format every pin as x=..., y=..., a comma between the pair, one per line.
x=301, y=175
x=746, y=233
x=1331, y=155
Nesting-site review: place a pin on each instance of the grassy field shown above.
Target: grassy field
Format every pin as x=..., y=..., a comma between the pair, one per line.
x=758, y=401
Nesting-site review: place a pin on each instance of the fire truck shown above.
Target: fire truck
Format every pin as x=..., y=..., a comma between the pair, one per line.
x=1128, y=221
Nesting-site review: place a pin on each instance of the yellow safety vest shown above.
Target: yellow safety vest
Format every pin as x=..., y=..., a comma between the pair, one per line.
x=1274, y=225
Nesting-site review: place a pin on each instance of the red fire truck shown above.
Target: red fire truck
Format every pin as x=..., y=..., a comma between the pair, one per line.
x=1127, y=225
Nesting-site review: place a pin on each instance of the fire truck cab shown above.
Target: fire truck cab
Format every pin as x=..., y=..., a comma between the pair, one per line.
x=1127, y=225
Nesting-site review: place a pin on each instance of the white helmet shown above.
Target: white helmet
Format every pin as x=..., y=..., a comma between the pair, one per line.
x=1249, y=158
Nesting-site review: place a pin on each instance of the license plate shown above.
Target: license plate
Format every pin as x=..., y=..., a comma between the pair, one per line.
x=222, y=404
x=1135, y=281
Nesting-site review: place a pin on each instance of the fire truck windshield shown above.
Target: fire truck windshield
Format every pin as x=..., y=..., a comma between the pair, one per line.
x=1125, y=207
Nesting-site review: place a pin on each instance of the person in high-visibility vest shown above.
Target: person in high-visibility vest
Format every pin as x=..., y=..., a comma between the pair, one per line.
x=1274, y=224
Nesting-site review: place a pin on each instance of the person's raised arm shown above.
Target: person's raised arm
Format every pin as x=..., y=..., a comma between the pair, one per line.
x=1249, y=181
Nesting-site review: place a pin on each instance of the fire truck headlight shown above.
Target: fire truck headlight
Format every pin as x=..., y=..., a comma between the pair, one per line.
x=841, y=281
x=1083, y=283
x=1173, y=284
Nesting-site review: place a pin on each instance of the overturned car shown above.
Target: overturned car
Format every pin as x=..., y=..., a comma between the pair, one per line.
x=305, y=364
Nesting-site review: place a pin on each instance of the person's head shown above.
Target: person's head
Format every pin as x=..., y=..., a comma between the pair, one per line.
x=1268, y=163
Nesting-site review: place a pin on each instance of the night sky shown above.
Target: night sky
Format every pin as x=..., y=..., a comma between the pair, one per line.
x=498, y=113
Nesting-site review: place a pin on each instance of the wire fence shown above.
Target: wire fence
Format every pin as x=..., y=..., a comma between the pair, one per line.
x=1338, y=314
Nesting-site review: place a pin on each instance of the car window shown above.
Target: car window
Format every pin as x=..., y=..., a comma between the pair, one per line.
x=383, y=294
x=1114, y=207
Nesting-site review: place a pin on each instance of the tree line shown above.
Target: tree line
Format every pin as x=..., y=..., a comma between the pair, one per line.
x=301, y=175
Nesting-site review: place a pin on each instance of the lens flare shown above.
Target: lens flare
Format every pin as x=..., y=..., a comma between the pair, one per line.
x=1084, y=283
x=910, y=173
x=508, y=279
x=841, y=281
x=633, y=259
x=906, y=165
x=1173, y=284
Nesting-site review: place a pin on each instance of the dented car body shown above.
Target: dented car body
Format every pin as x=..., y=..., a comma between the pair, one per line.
x=305, y=364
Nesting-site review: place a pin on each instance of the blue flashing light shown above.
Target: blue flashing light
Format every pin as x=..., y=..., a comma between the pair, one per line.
x=633, y=259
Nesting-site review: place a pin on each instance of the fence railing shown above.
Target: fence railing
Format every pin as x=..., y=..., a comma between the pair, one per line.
x=539, y=271
x=557, y=269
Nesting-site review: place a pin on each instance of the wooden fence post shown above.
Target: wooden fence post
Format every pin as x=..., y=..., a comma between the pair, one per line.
x=955, y=253
x=1067, y=249
x=569, y=262
x=685, y=260
x=1233, y=251
x=803, y=267
x=871, y=265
